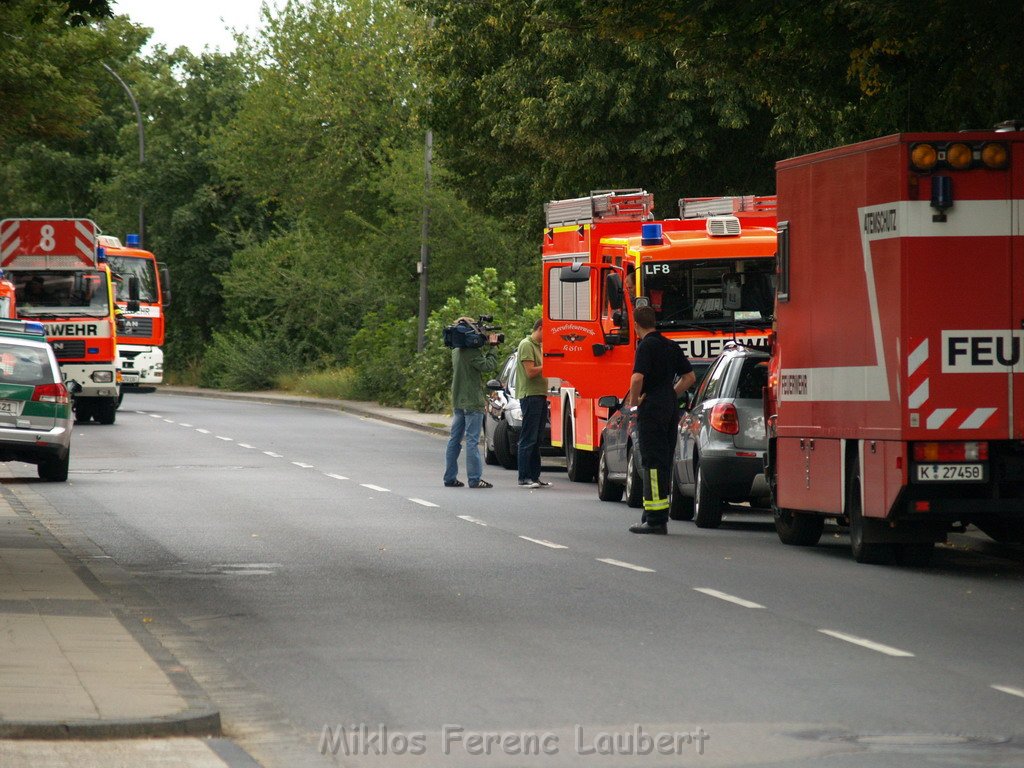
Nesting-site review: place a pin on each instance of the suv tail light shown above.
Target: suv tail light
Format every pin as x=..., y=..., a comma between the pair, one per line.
x=951, y=451
x=724, y=419
x=51, y=393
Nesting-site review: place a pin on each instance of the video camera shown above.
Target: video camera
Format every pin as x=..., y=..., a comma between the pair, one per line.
x=466, y=334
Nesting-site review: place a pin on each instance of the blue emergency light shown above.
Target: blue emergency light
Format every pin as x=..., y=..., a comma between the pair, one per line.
x=132, y=241
x=650, y=234
x=101, y=254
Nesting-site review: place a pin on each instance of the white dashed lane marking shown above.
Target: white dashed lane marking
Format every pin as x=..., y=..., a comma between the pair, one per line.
x=226, y=439
x=275, y=455
x=155, y=416
x=622, y=564
x=336, y=477
x=727, y=597
x=300, y=464
x=469, y=519
x=1009, y=690
x=169, y=421
x=375, y=488
x=888, y=650
x=245, y=445
x=422, y=502
x=203, y=431
x=183, y=424
x=544, y=543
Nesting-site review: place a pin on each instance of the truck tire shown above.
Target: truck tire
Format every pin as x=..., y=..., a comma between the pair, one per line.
x=106, y=410
x=506, y=453
x=84, y=409
x=707, y=504
x=680, y=507
x=798, y=529
x=877, y=553
x=607, y=490
x=55, y=469
x=634, y=480
x=580, y=466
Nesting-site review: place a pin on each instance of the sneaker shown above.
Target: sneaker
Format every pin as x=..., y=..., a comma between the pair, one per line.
x=529, y=484
x=481, y=484
x=542, y=483
x=454, y=484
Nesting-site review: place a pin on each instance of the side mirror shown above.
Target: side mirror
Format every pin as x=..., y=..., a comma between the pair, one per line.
x=611, y=402
x=494, y=385
x=613, y=289
x=575, y=273
x=732, y=291
x=165, y=285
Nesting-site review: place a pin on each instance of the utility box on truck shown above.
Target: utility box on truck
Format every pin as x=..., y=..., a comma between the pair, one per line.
x=896, y=403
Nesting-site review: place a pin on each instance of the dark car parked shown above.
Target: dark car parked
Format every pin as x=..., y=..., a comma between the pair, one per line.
x=618, y=460
x=503, y=419
x=722, y=441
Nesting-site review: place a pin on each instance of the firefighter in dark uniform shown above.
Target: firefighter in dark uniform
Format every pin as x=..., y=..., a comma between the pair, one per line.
x=655, y=391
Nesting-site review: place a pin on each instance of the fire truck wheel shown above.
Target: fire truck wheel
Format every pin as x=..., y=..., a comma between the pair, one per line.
x=680, y=507
x=54, y=470
x=84, y=410
x=120, y=398
x=505, y=448
x=606, y=489
x=580, y=466
x=708, y=504
x=106, y=410
x=798, y=529
x=634, y=480
x=917, y=554
x=864, y=552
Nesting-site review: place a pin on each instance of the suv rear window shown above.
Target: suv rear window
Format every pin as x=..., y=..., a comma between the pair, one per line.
x=24, y=365
x=753, y=378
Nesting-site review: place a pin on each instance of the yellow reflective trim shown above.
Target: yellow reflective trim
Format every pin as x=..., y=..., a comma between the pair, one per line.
x=570, y=228
x=614, y=241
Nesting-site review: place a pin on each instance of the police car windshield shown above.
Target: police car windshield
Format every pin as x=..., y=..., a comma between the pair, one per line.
x=61, y=293
x=691, y=293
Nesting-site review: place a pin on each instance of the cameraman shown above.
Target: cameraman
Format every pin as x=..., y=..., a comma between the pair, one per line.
x=532, y=389
x=468, y=410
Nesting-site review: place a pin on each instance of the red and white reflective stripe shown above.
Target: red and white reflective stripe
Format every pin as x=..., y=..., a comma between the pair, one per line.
x=975, y=419
x=9, y=240
x=86, y=247
x=918, y=376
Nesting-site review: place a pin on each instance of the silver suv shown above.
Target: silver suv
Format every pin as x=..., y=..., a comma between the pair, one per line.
x=35, y=407
x=721, y=443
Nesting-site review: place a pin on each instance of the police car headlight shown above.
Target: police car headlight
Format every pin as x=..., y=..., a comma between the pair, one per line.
x=102, y=377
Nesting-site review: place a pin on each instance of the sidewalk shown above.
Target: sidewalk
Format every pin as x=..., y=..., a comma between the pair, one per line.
x=73, y=672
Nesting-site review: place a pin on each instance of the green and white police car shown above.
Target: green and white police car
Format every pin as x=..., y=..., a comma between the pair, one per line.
x=35, y=406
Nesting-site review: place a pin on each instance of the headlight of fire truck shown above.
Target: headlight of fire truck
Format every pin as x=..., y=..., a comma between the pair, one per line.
x=102, y=377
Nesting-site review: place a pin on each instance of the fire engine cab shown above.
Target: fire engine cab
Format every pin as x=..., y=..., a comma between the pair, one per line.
x=709, y=275
x=896, y=400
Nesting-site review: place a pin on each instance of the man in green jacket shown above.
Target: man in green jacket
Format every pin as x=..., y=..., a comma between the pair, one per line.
x=468, y=412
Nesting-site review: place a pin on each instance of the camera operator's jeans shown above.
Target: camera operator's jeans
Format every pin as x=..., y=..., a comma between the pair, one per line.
x=464, y=423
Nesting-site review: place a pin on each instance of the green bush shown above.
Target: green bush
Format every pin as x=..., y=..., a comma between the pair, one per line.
x=334, y=383
x=247, y=361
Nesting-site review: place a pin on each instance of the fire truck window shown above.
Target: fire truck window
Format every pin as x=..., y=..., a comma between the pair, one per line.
x=568, y=301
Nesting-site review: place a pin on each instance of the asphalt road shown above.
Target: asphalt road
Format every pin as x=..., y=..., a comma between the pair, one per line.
x=328, y=579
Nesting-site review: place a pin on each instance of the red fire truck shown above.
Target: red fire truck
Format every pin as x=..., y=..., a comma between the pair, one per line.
x=896, y=402
x=140, y=333
x=62, y=280
x=605, y=253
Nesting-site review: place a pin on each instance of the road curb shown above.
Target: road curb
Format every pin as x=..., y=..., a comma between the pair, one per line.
x=199, y=718
x=303, y=401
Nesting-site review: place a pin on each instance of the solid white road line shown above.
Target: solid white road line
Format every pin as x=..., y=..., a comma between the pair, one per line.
x=888, y=650
x=543, y=543
x=1009, y=690
x=300, y=464
x=275, y=455
x=245, y=445
x=203, y=431
x=469, y=519
x=621, y=564
x=226, y=439
x=727, y=597
x=336, y=477
x=375, y=488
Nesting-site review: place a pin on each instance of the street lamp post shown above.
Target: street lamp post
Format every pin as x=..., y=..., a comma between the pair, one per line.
x=142, y=148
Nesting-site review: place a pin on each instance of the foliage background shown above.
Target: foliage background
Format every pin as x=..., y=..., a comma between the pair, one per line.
x=284, y=182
